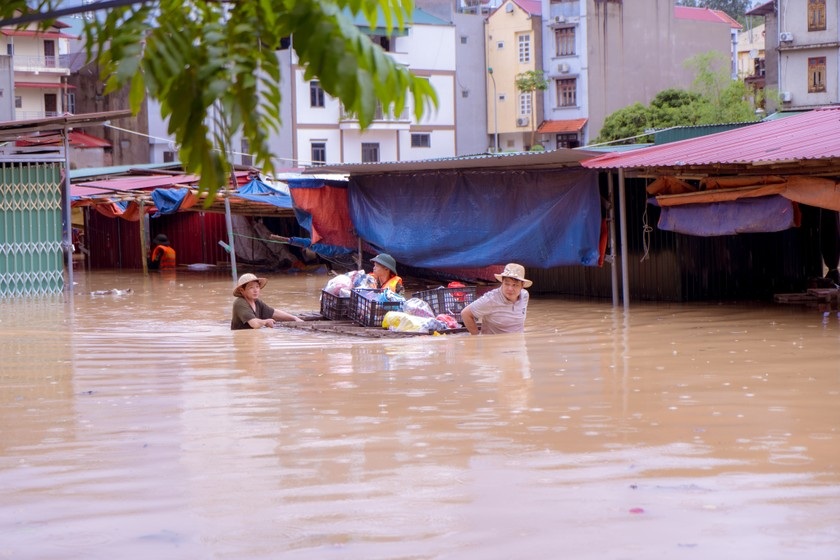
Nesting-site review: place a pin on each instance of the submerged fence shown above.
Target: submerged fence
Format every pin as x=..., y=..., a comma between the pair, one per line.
x=30, y=229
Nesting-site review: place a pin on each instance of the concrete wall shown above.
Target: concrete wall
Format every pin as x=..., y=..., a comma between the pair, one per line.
x=470, y=86
x=634, y=53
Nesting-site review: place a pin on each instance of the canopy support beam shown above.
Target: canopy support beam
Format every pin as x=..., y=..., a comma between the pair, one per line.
x=622, y=211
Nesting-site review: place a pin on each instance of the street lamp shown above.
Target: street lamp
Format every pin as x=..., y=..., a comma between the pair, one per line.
x=495, y=111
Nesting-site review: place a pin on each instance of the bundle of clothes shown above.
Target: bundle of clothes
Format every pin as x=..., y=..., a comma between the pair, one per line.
x=416, y=315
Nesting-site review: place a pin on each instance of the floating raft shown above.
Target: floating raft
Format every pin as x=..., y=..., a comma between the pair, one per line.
x=826, y=299
x=316, y=322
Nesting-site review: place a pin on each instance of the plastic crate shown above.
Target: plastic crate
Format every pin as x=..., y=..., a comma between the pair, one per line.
x=448, y=300
x=333, y=307
x=366, y=311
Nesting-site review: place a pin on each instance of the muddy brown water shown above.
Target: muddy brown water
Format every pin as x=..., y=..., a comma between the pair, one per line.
x=140, y=426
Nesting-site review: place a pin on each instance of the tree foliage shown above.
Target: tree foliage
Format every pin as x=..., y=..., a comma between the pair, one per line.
x=530, y=82
x=213, y=66
x=715, y=98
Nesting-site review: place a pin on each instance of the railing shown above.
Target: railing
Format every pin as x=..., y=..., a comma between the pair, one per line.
x=33, y=63
x=379, y=115
x=29, y=115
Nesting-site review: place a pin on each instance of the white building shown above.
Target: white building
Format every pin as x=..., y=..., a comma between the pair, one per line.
x=32, y=75
x=323, y=132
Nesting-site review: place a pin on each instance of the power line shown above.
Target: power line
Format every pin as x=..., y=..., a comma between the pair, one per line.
x=61, y=12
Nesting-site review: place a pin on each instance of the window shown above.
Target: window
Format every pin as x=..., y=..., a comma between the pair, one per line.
x=71, y=103
x=370, y=152
x=421, y=140
x=316, y=94
x=168, y=157
x=567, y=92
x=816, y=15
x=567, y=141
x=18, y=102
x=524, y=104
x=524, y=42
x=10, y=49
x=319, y=153
x=465, y=93
x=502, y=97
x=564, y=41
x=500, y=45
x=816, y=74
x=245, y=148
x=464, y=39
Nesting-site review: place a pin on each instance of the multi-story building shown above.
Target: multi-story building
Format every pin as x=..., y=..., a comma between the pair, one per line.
x=601, y=56
x=802, y=52
x=324, y=132
x=513, y=40
x=32, y=75
x=751, y=57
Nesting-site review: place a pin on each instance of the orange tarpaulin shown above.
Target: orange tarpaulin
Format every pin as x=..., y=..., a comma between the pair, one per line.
x=814, y=191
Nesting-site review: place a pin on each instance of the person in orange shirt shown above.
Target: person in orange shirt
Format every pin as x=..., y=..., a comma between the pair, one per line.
x=163, y=255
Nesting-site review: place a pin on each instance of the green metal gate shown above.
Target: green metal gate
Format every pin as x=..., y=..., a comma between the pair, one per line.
x=30, y=229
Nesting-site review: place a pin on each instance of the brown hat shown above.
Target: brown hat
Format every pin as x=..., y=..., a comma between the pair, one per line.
x=247, y=279
x=515, y=271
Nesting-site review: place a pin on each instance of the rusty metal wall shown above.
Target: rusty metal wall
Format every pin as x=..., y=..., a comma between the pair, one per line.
x=688, y=268
x=115, y=243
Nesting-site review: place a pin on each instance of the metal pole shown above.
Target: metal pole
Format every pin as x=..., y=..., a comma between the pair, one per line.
x=495, y=111
x=143, y=247
x=622, y=210
x=611, y=218
x=68, y=212
x=229, y=224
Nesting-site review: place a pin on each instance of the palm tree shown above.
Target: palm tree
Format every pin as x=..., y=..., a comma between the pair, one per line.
x=529, y=82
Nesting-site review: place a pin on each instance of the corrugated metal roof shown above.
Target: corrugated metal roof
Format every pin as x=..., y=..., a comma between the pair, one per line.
x=705, y=14
x=561, y=126
x=811, y=136
x=12, y=130
x=510, y=160
x=139, y=183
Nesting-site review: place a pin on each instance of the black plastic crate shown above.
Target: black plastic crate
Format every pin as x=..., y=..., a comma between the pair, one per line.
x=333, y=307
x=366, y=311
x=449, y=301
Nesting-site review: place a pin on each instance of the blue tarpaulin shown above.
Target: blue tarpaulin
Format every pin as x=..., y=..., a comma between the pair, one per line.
x=258, y=191
x=168, y=201
x=747, y=215
x=475, y=219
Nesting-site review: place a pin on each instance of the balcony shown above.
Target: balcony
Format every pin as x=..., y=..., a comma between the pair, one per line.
x=36, y=64
x=381, y=120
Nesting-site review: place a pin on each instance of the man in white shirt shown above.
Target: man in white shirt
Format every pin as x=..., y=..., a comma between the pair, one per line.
x=501, y=310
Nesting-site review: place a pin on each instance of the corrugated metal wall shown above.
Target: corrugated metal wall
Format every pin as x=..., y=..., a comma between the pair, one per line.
x=688, y=268
x=115, y=243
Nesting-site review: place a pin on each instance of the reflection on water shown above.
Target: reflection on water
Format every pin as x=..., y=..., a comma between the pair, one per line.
x=139, y=425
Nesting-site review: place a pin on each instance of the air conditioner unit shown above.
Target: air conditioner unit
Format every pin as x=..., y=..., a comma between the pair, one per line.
x=559, y=19
x=785, y=96
x=563, y=68
x=522, y=121
x=785, y=37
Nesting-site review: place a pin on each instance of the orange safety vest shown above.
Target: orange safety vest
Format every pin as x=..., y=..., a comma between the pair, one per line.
x=394, y=284
x=165, y=256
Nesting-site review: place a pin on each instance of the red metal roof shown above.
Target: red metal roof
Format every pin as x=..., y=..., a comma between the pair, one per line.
x=45, y=85
x=75, y=138
x=705, y=14
x=39, y=34
x=561, y=126
x=140, y=183
x=813, y=135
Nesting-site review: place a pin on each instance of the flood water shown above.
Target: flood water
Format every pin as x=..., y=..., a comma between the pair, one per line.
x=140, y=426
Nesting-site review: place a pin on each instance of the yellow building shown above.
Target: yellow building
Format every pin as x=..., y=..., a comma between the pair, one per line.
x=514, y=46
